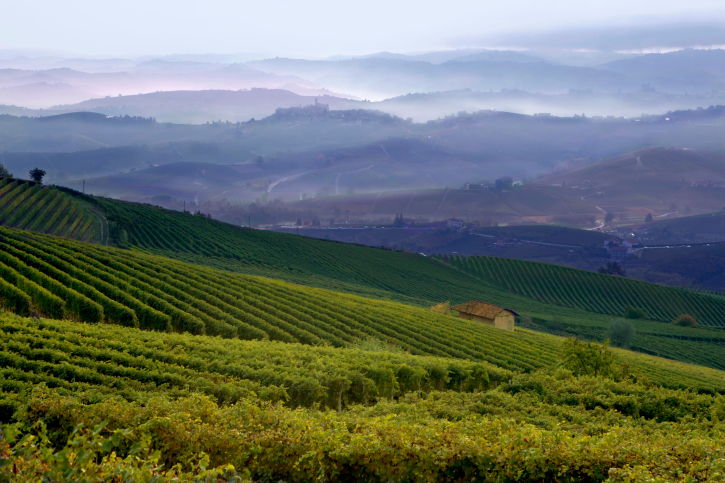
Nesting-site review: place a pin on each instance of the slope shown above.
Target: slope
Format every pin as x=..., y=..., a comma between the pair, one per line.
x=650, y=180
x=30, y=206
x=373, y=273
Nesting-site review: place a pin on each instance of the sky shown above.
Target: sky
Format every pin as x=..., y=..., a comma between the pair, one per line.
x=316, y=28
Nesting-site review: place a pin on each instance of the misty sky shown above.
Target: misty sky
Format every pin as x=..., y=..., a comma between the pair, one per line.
x=313, y=28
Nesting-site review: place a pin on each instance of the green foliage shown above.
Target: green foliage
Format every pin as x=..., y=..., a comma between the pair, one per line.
x=37, y=174
x=129, y=363
x=4, y=173
x=685, y=320
x=634, y=312
x=45, y=209
x=537, y=429
x=613, y=268
x=14, y=299
x=648, y=218
x=89, y=456
x=374, y=345
x=442, y=308
x=587, y=358
x=621, y=333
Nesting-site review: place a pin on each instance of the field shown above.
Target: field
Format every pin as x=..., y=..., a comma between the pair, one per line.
x=309, y=413
x=371, y=273
x=594, y=292
x=29, y=206
x=92, y=284
x=148, y=366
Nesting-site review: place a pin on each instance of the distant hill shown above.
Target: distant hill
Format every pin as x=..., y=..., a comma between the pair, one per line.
x=200, y=106
x=651, y=180
x=389, y=77
x=697, y=69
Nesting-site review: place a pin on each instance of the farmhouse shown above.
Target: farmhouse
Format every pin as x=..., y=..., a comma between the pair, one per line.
x=488, y=314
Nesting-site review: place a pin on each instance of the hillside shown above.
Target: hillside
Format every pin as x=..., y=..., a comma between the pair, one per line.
x=29, y=206
x=528, y=241
x=369, y=272
x=159, y=399
x=651, y=180
x=594, y=292
x=144, y=351
x=705, y=228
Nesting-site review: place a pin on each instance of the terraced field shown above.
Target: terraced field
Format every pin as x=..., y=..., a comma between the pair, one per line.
x=65, y=279
x=30, y=206
x=593, y=292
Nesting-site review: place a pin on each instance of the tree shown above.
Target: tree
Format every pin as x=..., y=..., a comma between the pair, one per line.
x=634, y=313
x=686, y=320
x=648, y=218
x=621, y=332
x=613, y=268
x=37, y=174
x=608, y=218
x=587, y=358
x=504, y=183
x=4, y=173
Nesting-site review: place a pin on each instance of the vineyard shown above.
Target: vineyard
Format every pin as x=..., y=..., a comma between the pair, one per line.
x=406, y=277
x=577, y=298
x=30, y=206
x=64, y=279
x=80, y=357
x=322, y=413
x=593, y=292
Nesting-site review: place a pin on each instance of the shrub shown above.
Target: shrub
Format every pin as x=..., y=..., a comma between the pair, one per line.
x=621, y=332
x=686, y=320
x=442, y=308
x=634, y=312
x=587, y=358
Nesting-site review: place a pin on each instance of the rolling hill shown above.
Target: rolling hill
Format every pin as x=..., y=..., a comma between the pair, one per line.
x=652, y=180
x=363, y=271
x=150, y=362
x=30, y=206
x=92, y=284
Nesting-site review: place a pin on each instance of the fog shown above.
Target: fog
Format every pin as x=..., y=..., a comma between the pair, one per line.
x=318, y=28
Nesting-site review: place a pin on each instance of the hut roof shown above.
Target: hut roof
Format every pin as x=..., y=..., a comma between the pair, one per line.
x=482, y=309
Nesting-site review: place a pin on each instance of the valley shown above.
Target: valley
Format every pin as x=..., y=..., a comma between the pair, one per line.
x=257, y=242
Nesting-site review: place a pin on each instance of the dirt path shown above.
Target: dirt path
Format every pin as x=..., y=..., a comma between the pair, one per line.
x=600, y=223
x=287, y=178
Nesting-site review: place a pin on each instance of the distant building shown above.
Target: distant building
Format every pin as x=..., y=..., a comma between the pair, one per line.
x=542, y=114
x=629, y=243
x=473, y=186
x=488, y=314
x=454, y=223
x=620, y=253
x=310, y=112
